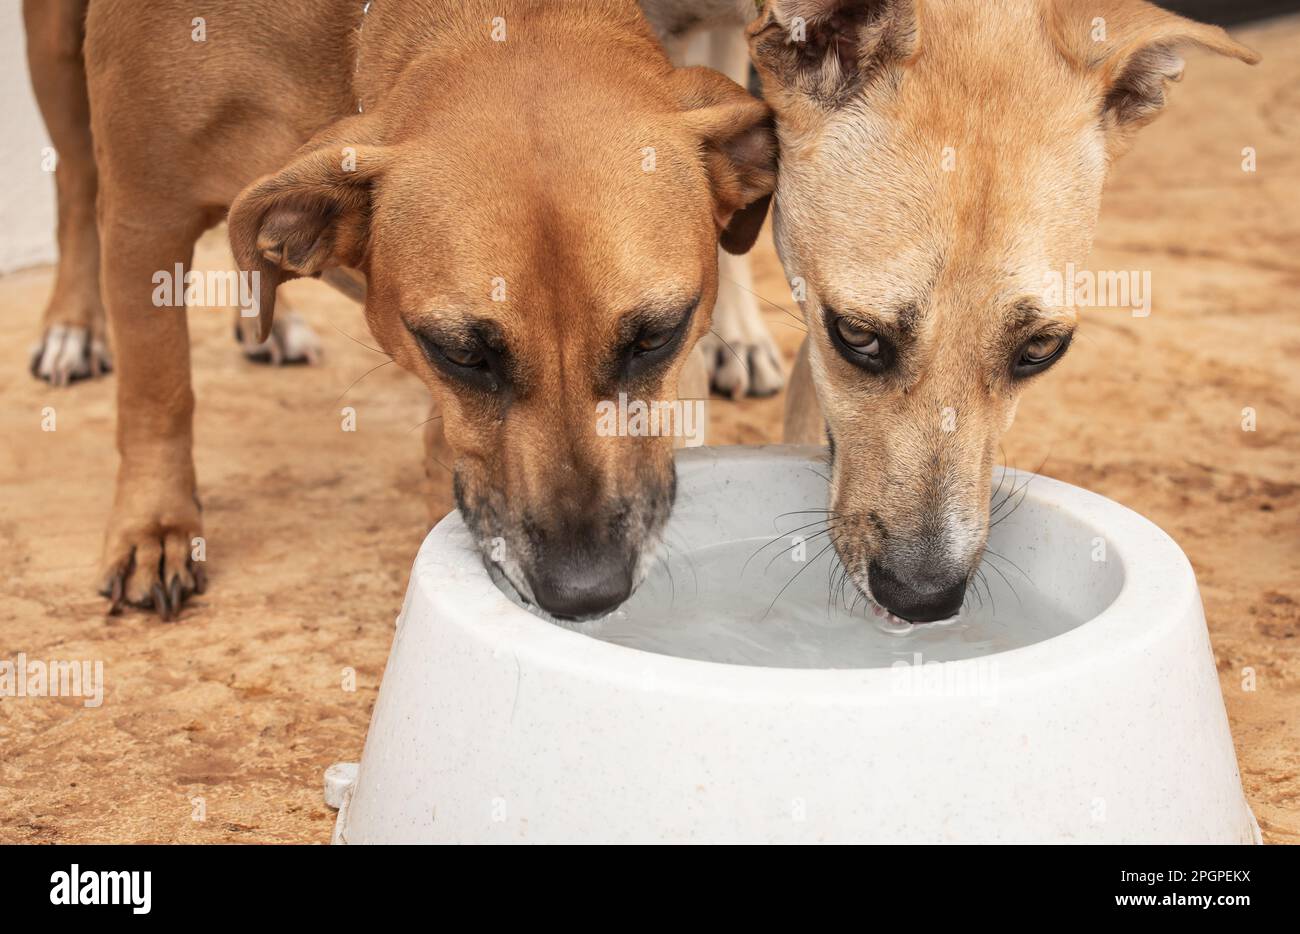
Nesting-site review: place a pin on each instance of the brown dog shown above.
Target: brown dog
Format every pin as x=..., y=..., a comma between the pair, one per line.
x=939, y=159
x=533, y=194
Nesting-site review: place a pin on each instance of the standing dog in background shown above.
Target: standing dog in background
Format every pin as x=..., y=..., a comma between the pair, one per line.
x=739, y=354
x=938, y=159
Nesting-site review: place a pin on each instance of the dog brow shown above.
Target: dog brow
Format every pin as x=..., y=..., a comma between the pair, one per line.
x=665, y=311
x=1025, y=313
x=904, y=317
x=460, y=330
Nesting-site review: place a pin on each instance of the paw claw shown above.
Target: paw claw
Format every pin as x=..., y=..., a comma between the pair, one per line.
x=114, y=595
x=147, y=568
x=161, y=603
x=175, y=595
x=66, y=354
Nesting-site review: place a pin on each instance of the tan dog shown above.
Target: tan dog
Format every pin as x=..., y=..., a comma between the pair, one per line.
x=533, y=194
x=938, y=158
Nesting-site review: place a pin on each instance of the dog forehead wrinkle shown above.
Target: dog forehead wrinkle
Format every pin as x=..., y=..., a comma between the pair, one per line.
x=901, y=280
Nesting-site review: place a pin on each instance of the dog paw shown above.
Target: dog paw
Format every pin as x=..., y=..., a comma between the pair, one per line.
x=743, y=364
x=68, y=353
x=292, y=341
x=150, y=565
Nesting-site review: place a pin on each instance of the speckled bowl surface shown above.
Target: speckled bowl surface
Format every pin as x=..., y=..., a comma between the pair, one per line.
x=495, y=725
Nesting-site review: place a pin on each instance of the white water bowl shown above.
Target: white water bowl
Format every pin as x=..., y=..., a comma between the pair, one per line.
x=1087, y=709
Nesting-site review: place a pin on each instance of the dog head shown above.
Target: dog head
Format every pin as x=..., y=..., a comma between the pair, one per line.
x=938, y=161
x=538, y=226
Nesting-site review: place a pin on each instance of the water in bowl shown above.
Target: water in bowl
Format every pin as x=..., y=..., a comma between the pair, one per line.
x=734, y=603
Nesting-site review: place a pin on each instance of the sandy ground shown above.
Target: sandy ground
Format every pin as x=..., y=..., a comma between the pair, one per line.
x=233, y=714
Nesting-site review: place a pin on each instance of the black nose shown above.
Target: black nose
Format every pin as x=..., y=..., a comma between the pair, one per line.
x=573, y=585
x=919, y=601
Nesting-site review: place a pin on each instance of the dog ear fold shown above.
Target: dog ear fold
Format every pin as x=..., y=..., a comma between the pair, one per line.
x=739, y=142
x=1131, y=48
x=826, y=50
x=311, y=216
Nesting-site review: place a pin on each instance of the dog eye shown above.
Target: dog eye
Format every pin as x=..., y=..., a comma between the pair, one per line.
x=859, y=338
x=652, y=342
x=469, y=366
x=1039, y=353
x=859, y=345
x=653, y=347
x=469, y=359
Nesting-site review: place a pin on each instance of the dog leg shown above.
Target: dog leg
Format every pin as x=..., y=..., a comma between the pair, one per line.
x=742, y=357
x=292, y=339
x=803, y=415
x=73, y=344
x=152, y=531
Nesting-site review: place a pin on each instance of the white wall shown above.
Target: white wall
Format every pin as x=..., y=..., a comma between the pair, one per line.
x=26, y=193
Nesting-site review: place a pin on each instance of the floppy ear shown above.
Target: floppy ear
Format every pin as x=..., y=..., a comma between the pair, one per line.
x=1130, y=48
x=827, y=49
x=311, y=216
x=738, y=140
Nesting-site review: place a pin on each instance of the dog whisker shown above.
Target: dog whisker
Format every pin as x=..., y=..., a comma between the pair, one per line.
x=431, y=418
x=988, y=552
x=686, y=552
x=787, y=324
x=360, y=342
x=1006, y=580
x=835, y=579
x=440, y=464
x=666, y=561
x=793, y=578
x=1023, y=494
x=761, y=298
x=728, y=346
x=802, y=541
x=816, y=474
x=360, y=378
x=777, y=538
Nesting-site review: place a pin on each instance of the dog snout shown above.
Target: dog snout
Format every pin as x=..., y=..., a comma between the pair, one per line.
x=922, y=595
x=579, y=581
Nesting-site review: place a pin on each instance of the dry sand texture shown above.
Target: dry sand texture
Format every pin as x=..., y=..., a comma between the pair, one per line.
x=312, y=530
